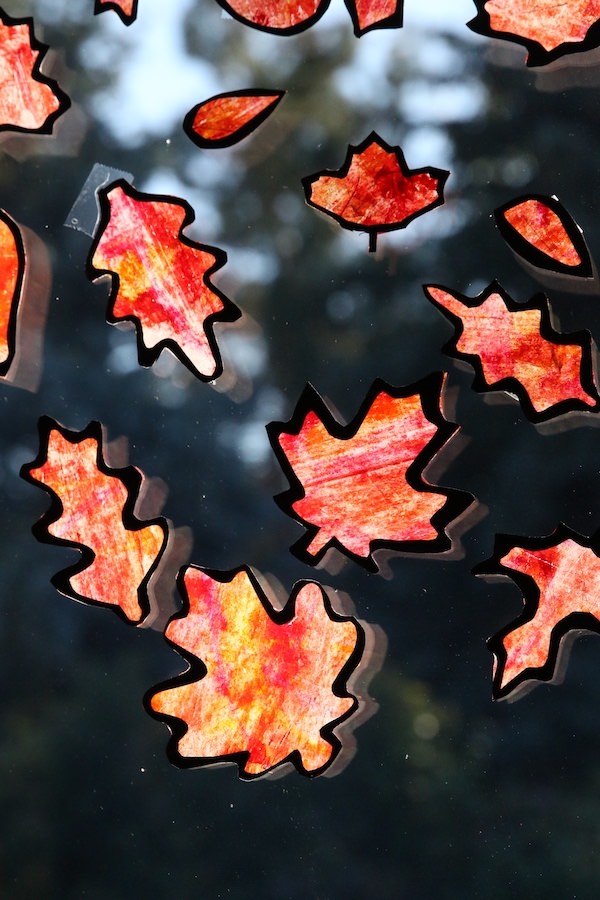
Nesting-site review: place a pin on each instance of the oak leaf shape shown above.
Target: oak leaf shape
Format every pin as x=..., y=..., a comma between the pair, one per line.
x=227, y=118
x=265, y=686
x=559, y=576
x=288, y=17
x=125, y=9
x=513, y=347
x=360, y=487
x=546, y=28
x=374, y=190
x=29, y=101
x=94, y=511
x=161, y=280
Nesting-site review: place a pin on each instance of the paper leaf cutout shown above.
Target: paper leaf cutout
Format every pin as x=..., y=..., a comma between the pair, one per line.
x=361, y=486
x=125, y=9
x=161, y=278
x=265, y=686
x=541, y=231
x=93, y=510
x=513, y=347
x=375, y=191
x=228, y=118
x=12, y=271
x=367, y=15
x=287, y=17
x=29, y=101
x=547, y=29
x=560, y=579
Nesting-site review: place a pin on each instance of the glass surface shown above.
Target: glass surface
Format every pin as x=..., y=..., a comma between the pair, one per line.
x=449, y=795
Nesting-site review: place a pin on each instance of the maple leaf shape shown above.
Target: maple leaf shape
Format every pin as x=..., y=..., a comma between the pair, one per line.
x=225, y=119
x=560, y=579
x=287, y=17
x=93, y=510
x=265, y=686
x=29, y=101
x=161, y=278
x=360, y=487
x=541, y=230
x=547, y=29
x=513, y=347
x=125, y=9
x=12, y=271
x=375, y=191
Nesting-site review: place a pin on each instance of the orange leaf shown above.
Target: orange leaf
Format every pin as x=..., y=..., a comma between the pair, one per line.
x=12, y=271
x=161, y=278
x=265, y=685
x=93, y=510
x=293, y=16
x=361, y=486
x=374, y=190
x=541, y=231
x=228, y=118
x=546, y=28
x=125, y=9
x=28, y=100
x=560, y=579
x=513, y=347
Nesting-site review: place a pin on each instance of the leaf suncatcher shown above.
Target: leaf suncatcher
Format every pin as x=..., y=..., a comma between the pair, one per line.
x=225, y=119
x=559, y=576
x=292, y=16
x=125, y=9
x=547, y=29
x=161, y=280
x=266, y=685
x=374, y=190
x=540, y=230
x=362, y=486
x=94, y=511
x=513, y=347
x=29, y=101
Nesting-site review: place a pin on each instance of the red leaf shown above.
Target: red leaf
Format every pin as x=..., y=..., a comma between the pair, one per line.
x=560, y=579
x=28, y=100
x=293, y=16
x=541, y=231
x=546, y=28
x=361, y=486
x=12, y=271
x=125, y=9
x=94, y=510
x=161, y=278
x=374, y=190
x=514, y=347
x=265, y=685
x=368, y=15
x=227, y=118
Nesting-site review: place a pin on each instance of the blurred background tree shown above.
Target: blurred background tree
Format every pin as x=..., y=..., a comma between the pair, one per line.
x=449, y=795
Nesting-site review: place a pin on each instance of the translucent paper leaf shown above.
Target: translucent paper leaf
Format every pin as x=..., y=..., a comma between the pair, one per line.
x=546, y=28
x=265, y=685
x=161, y=278
x=293, y=16
x=228, y=118
x=29, y=101
x=514, y=347
x=560, y=579
x=12, y=270
x=375, y=191
x=94, y=510
x=541, y=231
x=361, y=486
x=125, y=9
